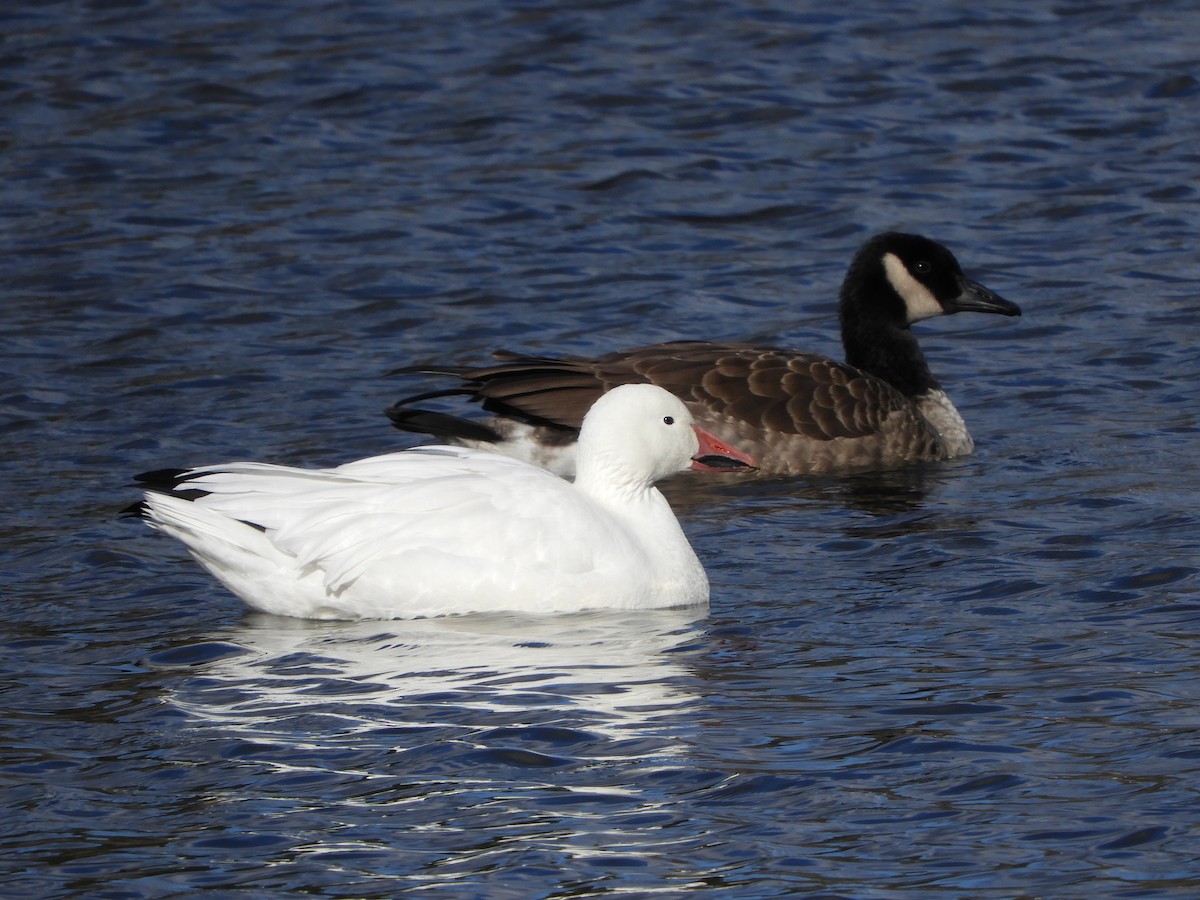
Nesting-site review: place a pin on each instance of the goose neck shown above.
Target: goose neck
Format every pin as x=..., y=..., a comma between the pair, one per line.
x=610, y=483
x=889, y=352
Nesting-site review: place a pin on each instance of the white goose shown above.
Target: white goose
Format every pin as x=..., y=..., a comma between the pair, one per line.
x=444, y=530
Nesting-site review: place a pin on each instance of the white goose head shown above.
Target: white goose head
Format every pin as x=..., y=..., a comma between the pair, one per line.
x=637, y=434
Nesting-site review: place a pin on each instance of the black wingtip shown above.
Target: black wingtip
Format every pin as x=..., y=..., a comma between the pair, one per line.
x=439, y=425
x=136, y=510
x=160, y=479
x=163, y=481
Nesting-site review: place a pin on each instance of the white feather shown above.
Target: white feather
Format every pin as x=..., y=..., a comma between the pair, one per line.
x=441, y=530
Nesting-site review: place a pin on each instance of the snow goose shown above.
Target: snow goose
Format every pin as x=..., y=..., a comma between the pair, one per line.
x=794, y=412
x=443, y=530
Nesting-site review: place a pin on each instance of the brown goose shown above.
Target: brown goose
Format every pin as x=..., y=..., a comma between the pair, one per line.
x=791, y=411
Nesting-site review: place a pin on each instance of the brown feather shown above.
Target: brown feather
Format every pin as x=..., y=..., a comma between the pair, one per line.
x=794, y=412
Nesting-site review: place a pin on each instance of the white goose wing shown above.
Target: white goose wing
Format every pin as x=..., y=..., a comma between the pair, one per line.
x=440, y=505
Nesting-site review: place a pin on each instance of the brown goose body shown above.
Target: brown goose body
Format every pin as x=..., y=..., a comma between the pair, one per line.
x=792, y=412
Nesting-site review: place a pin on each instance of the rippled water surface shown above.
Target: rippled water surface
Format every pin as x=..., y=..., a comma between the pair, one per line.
x=223, y=223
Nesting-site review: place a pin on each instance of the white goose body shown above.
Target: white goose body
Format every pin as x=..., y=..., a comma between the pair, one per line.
x=445, y=530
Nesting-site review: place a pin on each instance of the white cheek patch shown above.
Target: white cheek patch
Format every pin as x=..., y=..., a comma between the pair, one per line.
x=920, y=303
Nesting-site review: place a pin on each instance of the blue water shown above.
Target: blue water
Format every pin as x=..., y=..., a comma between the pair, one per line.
x=223, y=223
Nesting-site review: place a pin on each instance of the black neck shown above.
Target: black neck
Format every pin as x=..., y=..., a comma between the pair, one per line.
x=889, y=352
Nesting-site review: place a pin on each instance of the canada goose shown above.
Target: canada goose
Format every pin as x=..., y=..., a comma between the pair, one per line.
x=791, y=411
x=442, y=530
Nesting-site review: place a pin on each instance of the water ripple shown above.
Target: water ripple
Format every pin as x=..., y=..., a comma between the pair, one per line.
x=226, y=223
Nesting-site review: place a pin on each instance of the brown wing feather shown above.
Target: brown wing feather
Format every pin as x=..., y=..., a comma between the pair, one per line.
x=769, y=389
x=551, y=391
x=793, y=412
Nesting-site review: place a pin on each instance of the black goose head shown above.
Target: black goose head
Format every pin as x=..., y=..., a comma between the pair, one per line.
x=894, y=280
x=903, y=278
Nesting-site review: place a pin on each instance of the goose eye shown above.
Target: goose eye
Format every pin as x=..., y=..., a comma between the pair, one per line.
x=668, y=420
x=921, y=267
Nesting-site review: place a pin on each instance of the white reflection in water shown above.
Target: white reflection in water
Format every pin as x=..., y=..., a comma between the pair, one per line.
x=611, y=673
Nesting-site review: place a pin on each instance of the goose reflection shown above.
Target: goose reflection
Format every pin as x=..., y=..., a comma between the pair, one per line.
x=485, y=679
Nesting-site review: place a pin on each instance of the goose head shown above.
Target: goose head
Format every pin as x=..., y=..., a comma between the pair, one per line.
x=902, y=278
x=895, y=280
x=640, y=434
